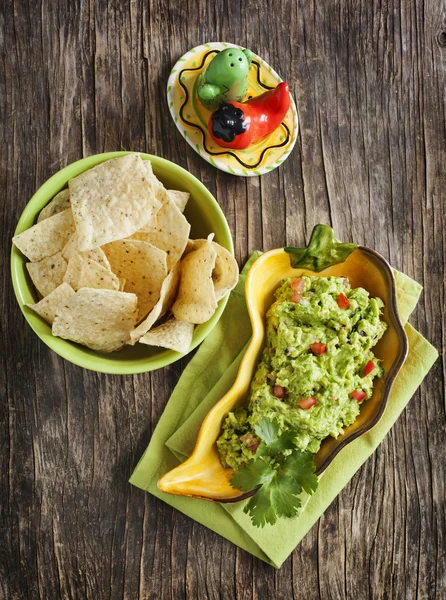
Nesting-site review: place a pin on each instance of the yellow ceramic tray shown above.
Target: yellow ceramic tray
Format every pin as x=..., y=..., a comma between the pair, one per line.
x=203, y=475
x=191, y=117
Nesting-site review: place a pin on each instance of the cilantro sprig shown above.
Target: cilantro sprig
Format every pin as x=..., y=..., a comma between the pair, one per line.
x=281, y=471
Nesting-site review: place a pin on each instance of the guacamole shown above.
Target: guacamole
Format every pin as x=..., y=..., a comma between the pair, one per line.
x=316, y=369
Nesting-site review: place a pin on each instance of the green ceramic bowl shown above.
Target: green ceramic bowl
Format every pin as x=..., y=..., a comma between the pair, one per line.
x=204, y=215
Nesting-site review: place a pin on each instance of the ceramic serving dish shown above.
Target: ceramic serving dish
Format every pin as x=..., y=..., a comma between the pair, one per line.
x=191, y=117
x=202, y=475
x=203, y=213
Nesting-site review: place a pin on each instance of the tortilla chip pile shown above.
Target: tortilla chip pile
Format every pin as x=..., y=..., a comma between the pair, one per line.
x=112, y=260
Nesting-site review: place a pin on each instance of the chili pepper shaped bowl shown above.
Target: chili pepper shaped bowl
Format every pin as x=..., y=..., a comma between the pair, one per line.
x=202, y=475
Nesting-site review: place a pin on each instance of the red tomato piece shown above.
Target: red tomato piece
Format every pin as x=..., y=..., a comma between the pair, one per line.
x=307, y=403
x=298, y=284
x=318, y=348
x=296, y=297
x=343, y=301
x=279, y=391
x=369, y=368
x=358, y=395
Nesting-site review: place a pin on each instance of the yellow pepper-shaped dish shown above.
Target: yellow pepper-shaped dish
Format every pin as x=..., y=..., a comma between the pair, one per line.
x=203, y=475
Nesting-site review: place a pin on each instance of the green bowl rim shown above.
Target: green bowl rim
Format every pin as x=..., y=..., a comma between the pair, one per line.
x=75, y=353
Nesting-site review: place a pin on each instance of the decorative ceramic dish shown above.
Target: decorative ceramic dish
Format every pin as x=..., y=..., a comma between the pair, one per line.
x=203, y=475
x=191, y=117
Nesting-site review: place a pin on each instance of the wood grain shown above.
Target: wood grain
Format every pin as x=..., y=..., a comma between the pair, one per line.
x=81, y=77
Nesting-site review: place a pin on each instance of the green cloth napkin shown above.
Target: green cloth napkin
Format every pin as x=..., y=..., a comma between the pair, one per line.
x=208, y=377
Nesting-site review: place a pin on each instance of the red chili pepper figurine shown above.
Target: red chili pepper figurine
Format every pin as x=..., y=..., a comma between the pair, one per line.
x=239, y=125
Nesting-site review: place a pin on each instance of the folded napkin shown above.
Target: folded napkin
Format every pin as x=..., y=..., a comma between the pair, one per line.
x=209, y=376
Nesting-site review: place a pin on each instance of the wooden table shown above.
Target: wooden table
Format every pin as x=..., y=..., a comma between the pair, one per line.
x=79, y=78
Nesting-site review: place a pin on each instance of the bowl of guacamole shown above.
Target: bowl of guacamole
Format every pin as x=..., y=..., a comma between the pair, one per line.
x=327, y=344
x=316, y=369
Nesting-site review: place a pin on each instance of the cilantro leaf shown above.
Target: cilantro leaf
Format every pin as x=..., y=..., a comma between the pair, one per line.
x=267, y=430
x=260, y=508
x=279, y=478
x=272, y=442
x=300, y=466
x=283, y=497
x=249, y=476
x=284, y=442
x=273, y=500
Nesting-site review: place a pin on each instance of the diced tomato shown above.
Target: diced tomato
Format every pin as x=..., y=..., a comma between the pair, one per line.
x=318, y=348
x=297, y=285
x=296, y=297
x=343, y=301
x=369, y=368
x=307, y=403
x=358, y=395
x=251, y=441
x=279, y=391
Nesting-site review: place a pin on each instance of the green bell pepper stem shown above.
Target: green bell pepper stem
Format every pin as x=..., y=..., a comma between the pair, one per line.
x=323, y=251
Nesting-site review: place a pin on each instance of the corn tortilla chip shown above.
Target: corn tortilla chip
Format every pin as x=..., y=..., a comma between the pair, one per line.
x=158, y=188
x=70, y=247
x=196, y=301
x=47, y=307
x=83, y=271
x=99, y=319
x=48, y=273
x=167, y=296
x=142, y=266
x=195, y=244
x=225, y=273
x=96, y=254
x=60, y=202
x=94, y=275
x=111, y=201
x=191, y=246
x=180, y=198
x=74, y=269
x=175, y=335
x=47, y=237
x=169, y=231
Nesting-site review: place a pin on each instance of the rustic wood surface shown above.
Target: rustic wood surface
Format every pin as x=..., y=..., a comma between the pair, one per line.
x=83, y=77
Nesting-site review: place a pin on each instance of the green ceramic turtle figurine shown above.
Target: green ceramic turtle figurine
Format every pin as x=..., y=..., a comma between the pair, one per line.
x=225, y=78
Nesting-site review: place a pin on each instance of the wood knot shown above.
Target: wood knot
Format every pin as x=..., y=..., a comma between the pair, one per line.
x=441, y=38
